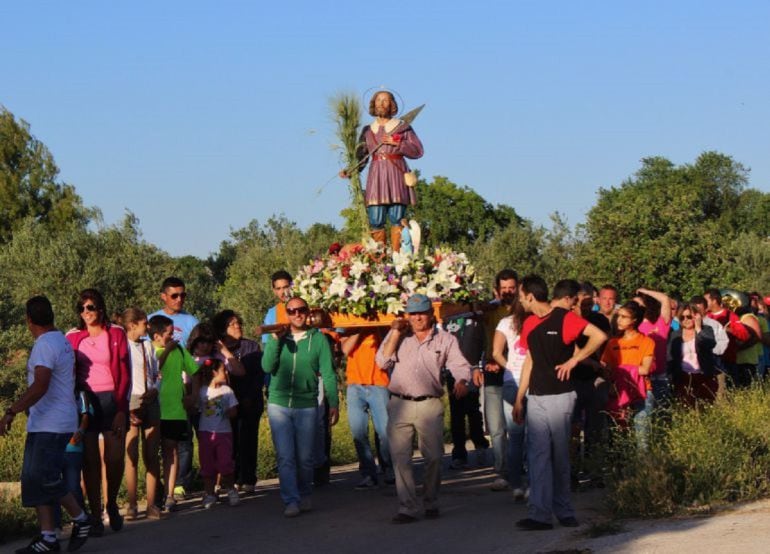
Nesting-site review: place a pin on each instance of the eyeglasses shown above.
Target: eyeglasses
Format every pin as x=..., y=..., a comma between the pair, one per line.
x=177, y=295
x=88, y=307
x=297, y=311
x=687, y=317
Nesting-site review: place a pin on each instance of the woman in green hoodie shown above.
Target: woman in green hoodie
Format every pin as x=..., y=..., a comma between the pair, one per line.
x=294, y=359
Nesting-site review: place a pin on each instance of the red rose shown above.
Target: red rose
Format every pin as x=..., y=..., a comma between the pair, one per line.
x=335, y=248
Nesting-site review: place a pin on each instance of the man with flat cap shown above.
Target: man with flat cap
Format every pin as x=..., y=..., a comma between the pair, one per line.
x=414, y=352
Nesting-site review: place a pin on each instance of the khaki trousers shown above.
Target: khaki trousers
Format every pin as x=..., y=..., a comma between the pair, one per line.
x=426, y=418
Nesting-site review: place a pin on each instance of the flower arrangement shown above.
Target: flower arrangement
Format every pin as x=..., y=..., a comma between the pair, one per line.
x=362, y=280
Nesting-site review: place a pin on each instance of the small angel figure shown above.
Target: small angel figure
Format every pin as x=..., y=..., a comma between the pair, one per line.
x=410, y=236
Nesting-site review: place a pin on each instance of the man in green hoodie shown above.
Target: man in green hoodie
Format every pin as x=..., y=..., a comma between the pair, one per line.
x=294, y=359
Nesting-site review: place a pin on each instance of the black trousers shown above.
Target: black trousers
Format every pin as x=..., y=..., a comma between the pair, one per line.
x=461, y=409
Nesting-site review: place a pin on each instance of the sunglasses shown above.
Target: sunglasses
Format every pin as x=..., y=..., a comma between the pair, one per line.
x=88, y=307
x=297, y=311
x=687, y=317
x=177, y=295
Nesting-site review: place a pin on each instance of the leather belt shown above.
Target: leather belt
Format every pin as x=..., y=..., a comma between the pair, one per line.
x=412, y=398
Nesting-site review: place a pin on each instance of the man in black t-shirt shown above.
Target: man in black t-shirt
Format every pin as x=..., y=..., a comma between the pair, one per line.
x=549, y=335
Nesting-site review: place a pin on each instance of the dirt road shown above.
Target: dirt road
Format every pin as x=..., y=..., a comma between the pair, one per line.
x=473, y=520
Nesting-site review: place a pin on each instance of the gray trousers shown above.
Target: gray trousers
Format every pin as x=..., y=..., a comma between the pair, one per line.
x=426, y=418
x=549, y=431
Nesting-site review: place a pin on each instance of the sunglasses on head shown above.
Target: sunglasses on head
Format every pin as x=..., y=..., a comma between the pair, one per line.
x=297, y=311
x=87, y=307
x=177, y=295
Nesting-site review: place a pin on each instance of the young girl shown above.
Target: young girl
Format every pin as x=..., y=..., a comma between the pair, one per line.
x=215, y=443
x=628, y=359
x=144, y=414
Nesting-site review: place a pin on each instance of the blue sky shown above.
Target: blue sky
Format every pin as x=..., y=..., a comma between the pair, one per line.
x=201, y=116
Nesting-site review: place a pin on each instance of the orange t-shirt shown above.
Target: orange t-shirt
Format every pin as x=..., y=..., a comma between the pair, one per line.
x=361, y=368
x=624, y=356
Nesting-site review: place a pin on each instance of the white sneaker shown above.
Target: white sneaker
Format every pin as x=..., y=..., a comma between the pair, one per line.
x=519, y=494
x=209, y=501
x=233, y=498
x=499, y=485
x=292, y=510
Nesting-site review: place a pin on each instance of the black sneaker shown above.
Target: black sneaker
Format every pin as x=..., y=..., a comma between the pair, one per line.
x=40, y=545
x=400, y=518
x=116, y=520
x=530, y=524
x=569, y=522
x=96, y=527
x=79, y=535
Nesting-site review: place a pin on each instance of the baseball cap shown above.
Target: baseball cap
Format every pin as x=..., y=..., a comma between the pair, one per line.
x=418, y=303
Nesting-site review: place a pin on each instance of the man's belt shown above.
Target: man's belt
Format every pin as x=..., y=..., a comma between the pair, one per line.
x=392, y=157
x=412, y=398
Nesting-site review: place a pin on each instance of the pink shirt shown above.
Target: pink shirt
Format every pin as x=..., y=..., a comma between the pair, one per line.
x=658, y=332
x=93, y=362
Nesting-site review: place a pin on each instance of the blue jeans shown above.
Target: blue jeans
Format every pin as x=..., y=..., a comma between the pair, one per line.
x=293, y=431
x=514, y=452
x=394, y=212
x=374, y=399
x=493, y=413
x=73, y=467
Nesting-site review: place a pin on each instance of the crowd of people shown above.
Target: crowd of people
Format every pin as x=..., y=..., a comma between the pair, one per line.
x=531, y=371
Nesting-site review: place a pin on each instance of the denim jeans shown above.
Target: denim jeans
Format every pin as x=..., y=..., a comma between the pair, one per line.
x=293, y=431
x=394, y=212
x=493, y=413
x=514, y=452
x=364, y=400
x=184, y=472
x=73, y=467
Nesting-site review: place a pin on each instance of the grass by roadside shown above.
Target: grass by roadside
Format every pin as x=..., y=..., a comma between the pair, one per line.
x=700, y=460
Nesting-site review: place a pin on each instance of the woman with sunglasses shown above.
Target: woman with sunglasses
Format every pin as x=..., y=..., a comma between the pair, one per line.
x=691, y=359
x=294, y=359
x=102, y=370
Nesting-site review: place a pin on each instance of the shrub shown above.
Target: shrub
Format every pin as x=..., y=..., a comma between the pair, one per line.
x=696, y=460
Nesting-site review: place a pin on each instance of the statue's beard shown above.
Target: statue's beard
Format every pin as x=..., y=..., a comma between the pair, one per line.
x=382, y=112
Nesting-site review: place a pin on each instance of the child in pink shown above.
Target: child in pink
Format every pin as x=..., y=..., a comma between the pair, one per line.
x=215, y=437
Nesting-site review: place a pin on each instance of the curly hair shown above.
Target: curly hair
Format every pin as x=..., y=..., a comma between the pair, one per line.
x=393, y=103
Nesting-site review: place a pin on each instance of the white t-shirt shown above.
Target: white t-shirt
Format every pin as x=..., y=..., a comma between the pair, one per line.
x=138, y=358
x=214, y=402
x=56, y=411
x=516, y=352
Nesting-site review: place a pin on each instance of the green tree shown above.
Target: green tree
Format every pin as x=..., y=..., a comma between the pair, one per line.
x=262, y=250
x=29, y=185
x=669, y=227
x=458, y=216
x=113, y=259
